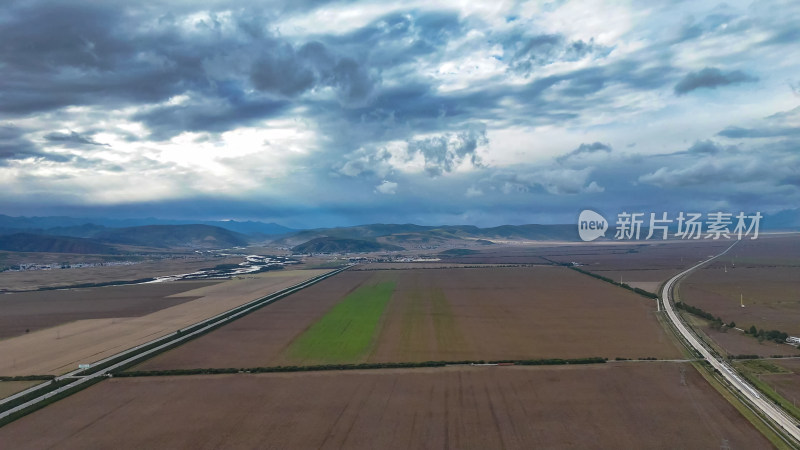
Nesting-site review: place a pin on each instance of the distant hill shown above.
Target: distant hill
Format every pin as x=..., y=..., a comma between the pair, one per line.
x=87, y=227
x=418, y=234
x=166, y=236
x=251, y=228
x=26, y=242
x=459, y=252
x=342, y=245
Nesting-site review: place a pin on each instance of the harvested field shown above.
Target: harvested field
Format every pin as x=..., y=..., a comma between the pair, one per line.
x=12, y=387
x=737, y=343
x=34, y=311
x=262, y=338
x=415, y=265
x=786, y=384
x=450, y=314
x=635, y=262
x=606, y=406
x=499, y=255
x=516, y=313
x=60, y=349
x=763, y=273
x=35, y=279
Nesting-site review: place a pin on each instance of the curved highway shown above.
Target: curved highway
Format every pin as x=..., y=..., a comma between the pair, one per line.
x=764, y=405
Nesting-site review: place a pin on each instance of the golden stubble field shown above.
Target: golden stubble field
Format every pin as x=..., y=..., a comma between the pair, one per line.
x=22, y=312
x=61, y=348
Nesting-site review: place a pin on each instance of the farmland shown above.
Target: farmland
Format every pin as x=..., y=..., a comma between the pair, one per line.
x=12, y=387
x=632, y=262
x=346, y=332
x=33, y=311
x=426, y=312
x=60, y=348
x=762, y=274
x=36, y=279
x=447, y=314
x=623, y=405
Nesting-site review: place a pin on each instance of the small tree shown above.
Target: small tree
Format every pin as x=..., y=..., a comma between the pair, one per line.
x=732, y=324
x=753, y=330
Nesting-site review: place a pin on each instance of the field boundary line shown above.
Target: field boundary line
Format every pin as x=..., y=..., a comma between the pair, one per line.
x=364, y=366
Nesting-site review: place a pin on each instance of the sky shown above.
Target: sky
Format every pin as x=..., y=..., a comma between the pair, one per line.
x=311, y=113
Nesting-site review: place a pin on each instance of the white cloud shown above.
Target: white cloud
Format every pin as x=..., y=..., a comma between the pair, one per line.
x=387, y=187
x=472, y=191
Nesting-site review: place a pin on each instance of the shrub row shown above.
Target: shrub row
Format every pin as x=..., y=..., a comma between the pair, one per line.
x=771, y=335
x=403, y=365
x=28, y=378
x=90, y=285
x=639, y=291
x=717, y=323
x=697, y=312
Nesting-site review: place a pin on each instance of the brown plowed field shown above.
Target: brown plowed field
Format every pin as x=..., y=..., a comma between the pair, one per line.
x=516, y=313
x=786, y=384
x=764, y=273
x=633, y=405
x=61, y=348
x=737, y=343
x=34, y=311
x=260, y=338
x=451, y=314
x=651, y=261
x=12, y=387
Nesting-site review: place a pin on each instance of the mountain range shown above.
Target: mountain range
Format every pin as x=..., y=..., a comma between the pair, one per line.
x=110, y=236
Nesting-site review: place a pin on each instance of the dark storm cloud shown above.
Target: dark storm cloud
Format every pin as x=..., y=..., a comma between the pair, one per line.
x=443, y=153
x=288, y=72
x=15, y=146
x=711, y=78
x=585, y=149
x=706, y=163
x=222, y=112
x=765, y=132
x=403, y=103
x=104, y=56
x=706, y=147
x=723, y=21
x=526, y=53
x=58, y=54
x=401, y=37
x=71, y=139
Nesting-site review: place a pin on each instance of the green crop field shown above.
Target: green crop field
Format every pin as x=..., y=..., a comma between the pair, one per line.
x=346, y=332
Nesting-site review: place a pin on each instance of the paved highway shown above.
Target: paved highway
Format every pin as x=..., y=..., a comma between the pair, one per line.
x=764, y=405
